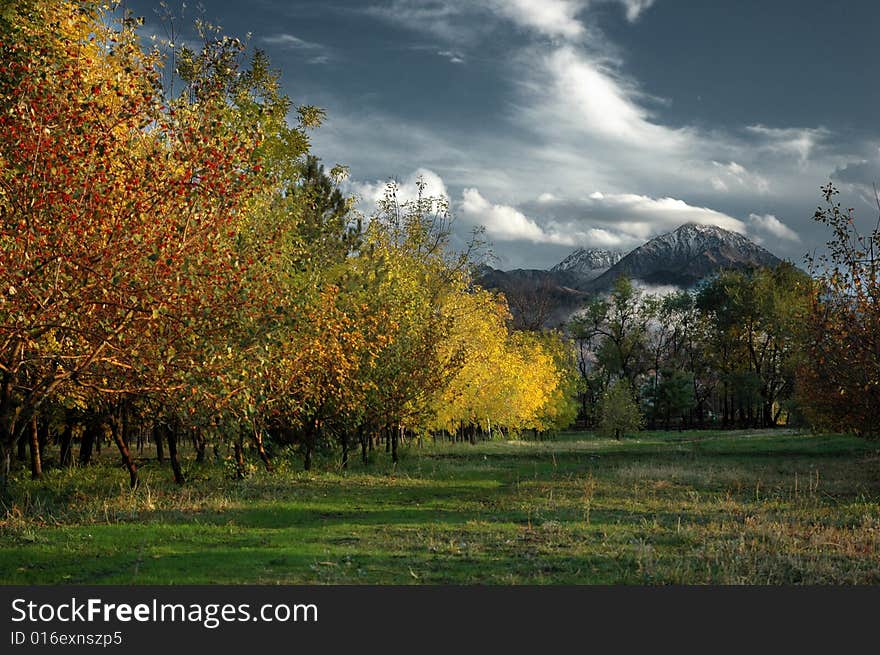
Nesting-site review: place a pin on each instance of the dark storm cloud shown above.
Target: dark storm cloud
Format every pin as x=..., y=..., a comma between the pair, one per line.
x=863, y=173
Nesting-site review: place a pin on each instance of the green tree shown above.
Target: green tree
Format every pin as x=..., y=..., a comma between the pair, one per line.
x=619, y=413
x=610, y=339
x=755, y=315
x=675, y=394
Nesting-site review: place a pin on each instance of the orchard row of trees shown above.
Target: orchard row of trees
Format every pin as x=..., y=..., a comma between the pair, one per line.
x=171, y=256
x=749, y=348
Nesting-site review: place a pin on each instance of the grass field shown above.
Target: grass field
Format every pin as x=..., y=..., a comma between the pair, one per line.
x=692, y=507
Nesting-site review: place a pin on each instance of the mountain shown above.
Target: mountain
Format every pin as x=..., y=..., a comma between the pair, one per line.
x=588, y=262
x=685, y=256
x=680, y=258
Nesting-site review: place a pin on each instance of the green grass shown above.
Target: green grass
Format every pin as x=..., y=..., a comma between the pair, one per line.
x=762, y=507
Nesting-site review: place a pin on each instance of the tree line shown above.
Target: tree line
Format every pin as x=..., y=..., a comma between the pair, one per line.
x=173, y=258
x=725, y=355
x=748, y=348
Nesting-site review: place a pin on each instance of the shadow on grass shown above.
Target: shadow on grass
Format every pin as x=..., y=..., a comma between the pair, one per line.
x=491, y=513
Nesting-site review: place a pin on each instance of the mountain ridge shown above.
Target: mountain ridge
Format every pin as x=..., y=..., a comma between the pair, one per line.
x=686, y=255
x=590, y=262
x=681, y=257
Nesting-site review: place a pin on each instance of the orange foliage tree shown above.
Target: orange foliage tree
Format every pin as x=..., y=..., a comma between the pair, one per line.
x=119, y=209
x=839, y=378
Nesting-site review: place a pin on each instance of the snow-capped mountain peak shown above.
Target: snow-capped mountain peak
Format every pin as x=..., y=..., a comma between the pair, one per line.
x=688, y=254
x=585, y=261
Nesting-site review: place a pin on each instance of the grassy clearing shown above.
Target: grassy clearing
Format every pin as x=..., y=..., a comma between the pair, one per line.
x=692, y=507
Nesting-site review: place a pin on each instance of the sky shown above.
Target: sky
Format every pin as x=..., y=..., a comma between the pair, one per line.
x=558, y=124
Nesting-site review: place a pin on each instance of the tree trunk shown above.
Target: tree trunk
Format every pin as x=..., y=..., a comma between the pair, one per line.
x=88, y=442
x=393, y=435
x=67, y=443
x=201, y=443
x=43, y=436
x=5, y=465
x=769, y=421
x=126, y=425
x=7, y=432
x=258, y=440
x=239, y=459
x=307, y=458
x=363, y=441
x=36, y=460
x=308, y=440
x=122, y=445
x=725, y=408
x=171, y=434
x=344, y=449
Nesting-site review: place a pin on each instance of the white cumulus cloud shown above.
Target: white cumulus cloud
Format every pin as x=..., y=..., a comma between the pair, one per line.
x=734, y=175
x=370, y=193
x=631, y=216
x=503, y=222
x=575, y=119
x=598, y=220
x=768, y=224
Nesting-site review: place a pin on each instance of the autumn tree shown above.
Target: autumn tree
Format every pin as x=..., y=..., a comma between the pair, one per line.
x=560, y=408
x=82, y=149
x=124, y=212
x=839, y=379
x=476, y=346
x=408, y=265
